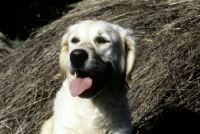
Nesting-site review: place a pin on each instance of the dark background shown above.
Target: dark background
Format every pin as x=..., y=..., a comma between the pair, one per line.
x=19, y=18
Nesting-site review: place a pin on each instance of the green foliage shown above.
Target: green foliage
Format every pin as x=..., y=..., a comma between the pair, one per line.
x=17, y=43
x=19, y=18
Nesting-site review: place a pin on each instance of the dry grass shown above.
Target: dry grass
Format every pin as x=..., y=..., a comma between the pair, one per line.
x=166, y=78
x=5, y=46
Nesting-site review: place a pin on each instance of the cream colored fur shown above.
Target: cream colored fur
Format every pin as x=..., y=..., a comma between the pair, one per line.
x=108, y=111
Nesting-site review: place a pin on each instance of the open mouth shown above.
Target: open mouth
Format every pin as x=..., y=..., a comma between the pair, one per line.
x=89, y=83
x=82, y=82
x=83, y=74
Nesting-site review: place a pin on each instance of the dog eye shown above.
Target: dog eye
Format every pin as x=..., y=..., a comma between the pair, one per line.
x=101, y=40
x=75, y=40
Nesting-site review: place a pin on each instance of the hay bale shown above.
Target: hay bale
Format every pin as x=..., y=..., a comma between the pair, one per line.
x=166, y=78
x=5, y=46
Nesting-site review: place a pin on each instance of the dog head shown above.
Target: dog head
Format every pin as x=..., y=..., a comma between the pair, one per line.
x=94, y=54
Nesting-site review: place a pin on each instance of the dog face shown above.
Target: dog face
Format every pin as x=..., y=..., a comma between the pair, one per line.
x=94, y=54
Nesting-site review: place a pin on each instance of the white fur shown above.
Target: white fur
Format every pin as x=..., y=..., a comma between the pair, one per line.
x=108, y=112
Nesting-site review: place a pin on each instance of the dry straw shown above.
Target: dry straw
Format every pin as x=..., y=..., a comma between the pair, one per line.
x=166, y=77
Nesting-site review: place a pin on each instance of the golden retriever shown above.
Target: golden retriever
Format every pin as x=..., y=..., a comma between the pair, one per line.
x=96, y=60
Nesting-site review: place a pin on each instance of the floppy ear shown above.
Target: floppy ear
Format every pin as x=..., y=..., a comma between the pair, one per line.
x=62, y=57
x=130, y=55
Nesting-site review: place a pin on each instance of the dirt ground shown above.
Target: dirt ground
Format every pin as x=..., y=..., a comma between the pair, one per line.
x=165, y=93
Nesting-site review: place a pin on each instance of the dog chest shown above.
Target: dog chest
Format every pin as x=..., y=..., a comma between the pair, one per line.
x=73, y=113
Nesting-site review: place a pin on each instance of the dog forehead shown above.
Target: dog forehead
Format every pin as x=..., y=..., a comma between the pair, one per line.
x=91, y=28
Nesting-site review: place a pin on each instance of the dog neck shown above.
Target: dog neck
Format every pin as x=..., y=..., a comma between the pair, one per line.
x=103, y=108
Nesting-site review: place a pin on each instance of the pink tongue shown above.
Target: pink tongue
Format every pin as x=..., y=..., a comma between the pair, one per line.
x=78, y=85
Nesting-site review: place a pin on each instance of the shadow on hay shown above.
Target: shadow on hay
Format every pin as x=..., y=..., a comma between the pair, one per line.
x=172, y=121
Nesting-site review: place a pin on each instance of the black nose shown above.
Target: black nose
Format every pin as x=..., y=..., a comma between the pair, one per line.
x=78, y=57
